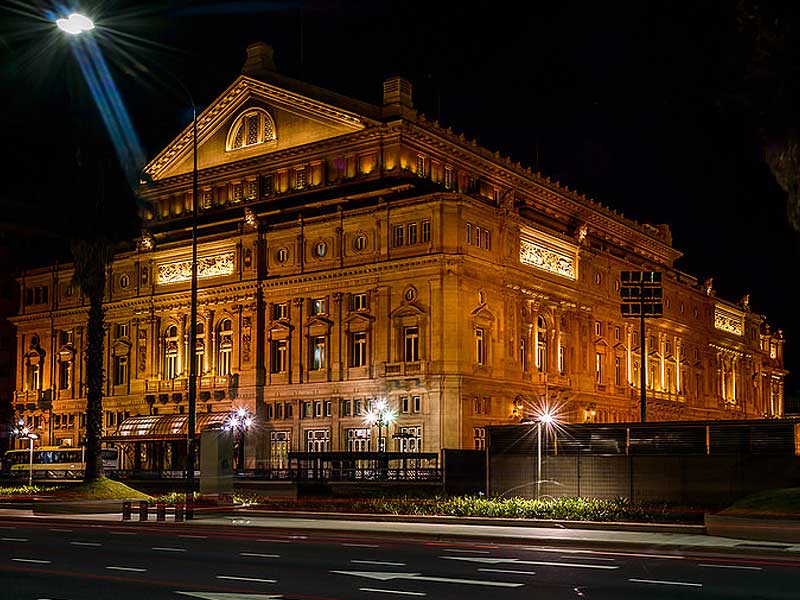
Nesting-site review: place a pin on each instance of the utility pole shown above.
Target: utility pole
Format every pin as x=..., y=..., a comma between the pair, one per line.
x=641, y=293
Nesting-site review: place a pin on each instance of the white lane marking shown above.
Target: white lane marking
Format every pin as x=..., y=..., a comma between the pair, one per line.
x=743, y=567
x=606, y=553
x=378, y=562
x=399, y=592
x=7, y=527
x=13, y=539
x=86, y=543
x=251, y=579
x=467, y=551
x=362, y=545
x=194, y=537
x=661, y=582
x=32, y=560
x=419, y=577
x=298, y=537
x=122, y=532
x=168, y=549
x=516, y=561
x=256, y=555
x=228, y=596
x=591, y=558
x=274, y=541
x=508, y=571
x=133, y=569
x=61, y=530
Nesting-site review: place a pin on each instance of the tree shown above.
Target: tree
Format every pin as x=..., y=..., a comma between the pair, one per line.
x=92, y=255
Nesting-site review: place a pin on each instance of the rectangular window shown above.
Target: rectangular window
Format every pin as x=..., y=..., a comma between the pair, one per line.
x=358, y=440
x=617, y=370
x=347, y=407
x=237, y=193
x=318, y=440
x=267, y=185
x=289, y=410
x=404, y=404
x=477, y=236
x=279, y=352
x=359, y=302
x=120, y=370
x=280, y=311
x=487, y=244
x=268, y=412
x=319, y=306
x=598, y=367
x=479, y=438
x=399, y=236
x=412, y=233
x=469, y=233
x=409, y=439
x=318, y=409
x=64, y=375
x=358, y=356
x=359, y=408
x=328, y=408
x=252, y=189
x=300, y=178
x=598, y=328
x=278, y=410
x=206, y=199
x=448, y=178
x=411, y=344
x=121, y=330
x=617, y=333
x=318, y=348
x=523, y=354
x=561, y=360
x=480, y=346
x=426, y=231
x=308, y=410
x=416, y=404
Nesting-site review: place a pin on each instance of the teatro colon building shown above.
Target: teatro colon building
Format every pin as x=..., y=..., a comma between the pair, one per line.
x=349, y=252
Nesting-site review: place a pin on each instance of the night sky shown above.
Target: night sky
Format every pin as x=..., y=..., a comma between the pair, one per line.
x=646, y=107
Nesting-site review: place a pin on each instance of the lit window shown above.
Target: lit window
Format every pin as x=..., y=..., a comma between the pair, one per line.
x=280, y=311
x=399, y=235
x=598, y=328
x=300, y=178
x=237, y=193
x=120, y=370
x=225, y=337
x=617, y=370
x=420, y=165
x=282, y=255
x=426, y=231
x=598, y=367
x=320, y=249
x=541, y=345
x=358, y=356
x=411, y=344
x=171, y=352
x=254, y=127
x=480, y=346
x=561, y=360
x=121, y=330
x=448, y=177
x=412, y=233
x=360, y=242
x=359, y=301
x=318, y=348
x=319, y=306
x=278, y=357
x=64, y=375
x=479, y=438
x=469, y=233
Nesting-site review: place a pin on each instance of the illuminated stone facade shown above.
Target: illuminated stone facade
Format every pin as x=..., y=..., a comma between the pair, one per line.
x=349, y=252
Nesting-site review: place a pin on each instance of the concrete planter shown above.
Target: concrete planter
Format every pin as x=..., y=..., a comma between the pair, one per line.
x=766, y=530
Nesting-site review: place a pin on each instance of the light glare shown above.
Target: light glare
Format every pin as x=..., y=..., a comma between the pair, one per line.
x=75, y=24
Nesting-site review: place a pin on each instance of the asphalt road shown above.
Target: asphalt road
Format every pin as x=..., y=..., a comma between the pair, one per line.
x=69, y=560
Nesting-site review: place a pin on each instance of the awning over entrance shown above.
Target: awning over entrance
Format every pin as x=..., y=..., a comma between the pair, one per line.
x=162, y=427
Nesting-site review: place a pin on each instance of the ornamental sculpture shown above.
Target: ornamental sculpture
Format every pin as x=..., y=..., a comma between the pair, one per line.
x=547, y=259
x=207, y=266
x=727, y=321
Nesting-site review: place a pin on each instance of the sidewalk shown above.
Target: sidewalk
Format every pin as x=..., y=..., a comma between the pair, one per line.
x=556, y=533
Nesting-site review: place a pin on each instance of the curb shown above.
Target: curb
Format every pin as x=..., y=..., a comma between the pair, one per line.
x=768, y=530
x=542, y=523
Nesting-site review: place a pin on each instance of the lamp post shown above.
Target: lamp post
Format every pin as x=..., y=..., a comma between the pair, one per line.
x=239, y=422
x=77, y=24
x=24, y=433
x=380, y=415
x=546, y=419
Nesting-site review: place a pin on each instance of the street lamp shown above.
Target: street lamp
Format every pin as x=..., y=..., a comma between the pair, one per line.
x=546, y=419
x=239, y=422
x=24, y=433
x=77, y=24
x=380, y=415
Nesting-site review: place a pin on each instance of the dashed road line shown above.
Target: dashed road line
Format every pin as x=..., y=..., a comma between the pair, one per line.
x=663, y=582
x=257, y=555
x=132, y=569
x=60, y=530
x=508, y=571
x=467, y=551
x=32, y=560
x=5, y=539
x=93, y=544
x=250, y=579
x=742, y=567
x=379, y=562
x=167, y=549
x=361, y=545
x=194, y=537
x=398, y=592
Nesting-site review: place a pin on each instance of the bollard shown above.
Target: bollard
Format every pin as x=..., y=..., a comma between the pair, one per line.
x=126, y=510
x=179, y=512
x=143, y=507
x=161, y=511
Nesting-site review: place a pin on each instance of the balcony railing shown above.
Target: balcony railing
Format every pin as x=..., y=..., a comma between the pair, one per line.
x=405, y=369
x=206, y=382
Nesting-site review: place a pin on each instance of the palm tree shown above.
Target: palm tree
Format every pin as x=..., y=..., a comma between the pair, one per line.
x=91, y=256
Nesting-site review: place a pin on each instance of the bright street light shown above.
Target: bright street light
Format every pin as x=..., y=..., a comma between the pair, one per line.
x=380, y=415
x=24, y=433
x=239, y=422
x=75, y=24
x=547, y=419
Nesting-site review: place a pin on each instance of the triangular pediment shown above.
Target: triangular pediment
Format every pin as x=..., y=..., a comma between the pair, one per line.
x=297, y=119
x=318, y=321
x=482, y=313
x=280, y=327
x=406, y=310
x=359, y=317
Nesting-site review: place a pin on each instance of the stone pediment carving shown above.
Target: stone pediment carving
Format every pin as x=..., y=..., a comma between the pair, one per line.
x=120, y=348
x=281, y=327
x=482, y=313
x=318, y=321
x=66, y=354
x=359, y=317
x=297, y=120
x=407, y=310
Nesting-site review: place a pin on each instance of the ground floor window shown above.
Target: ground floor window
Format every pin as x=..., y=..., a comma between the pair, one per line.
x=279, y=446
x=409, y=439
x=479, y=438
x=318, y=440
x=358, y=440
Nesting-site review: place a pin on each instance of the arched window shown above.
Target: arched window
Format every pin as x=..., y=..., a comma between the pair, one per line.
x=253, y=127
x=225, y=337
x=171, y=352
x=541, y=344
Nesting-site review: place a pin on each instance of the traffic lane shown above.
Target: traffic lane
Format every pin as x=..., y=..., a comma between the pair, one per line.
x=308, y=555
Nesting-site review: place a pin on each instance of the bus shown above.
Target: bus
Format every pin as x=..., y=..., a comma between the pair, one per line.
x=55, y=462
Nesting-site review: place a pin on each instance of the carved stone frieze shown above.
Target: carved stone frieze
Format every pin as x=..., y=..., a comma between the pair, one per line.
x=207, y=266
x=728, y=320
x=548, y=253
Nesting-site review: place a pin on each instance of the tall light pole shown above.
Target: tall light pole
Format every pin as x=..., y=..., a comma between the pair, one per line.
x=24, y=433
x=380, y=415
x=77, y=24
x=545, y=419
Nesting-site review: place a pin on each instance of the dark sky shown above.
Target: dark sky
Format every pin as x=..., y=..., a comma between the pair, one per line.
x=641, y=106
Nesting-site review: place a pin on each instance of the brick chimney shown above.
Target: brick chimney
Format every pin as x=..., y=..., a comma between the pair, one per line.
x=259, y=59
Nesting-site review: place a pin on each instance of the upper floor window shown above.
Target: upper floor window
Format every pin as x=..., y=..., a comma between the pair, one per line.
x=399, y=235
x=411, y=344
x=171, y=352
x=319, y=306
x=480, y=346
x=252, y=127
x=426, y=231
x=122, y=330
x=225, y=336
x=359, y=301
x=280, y=311
x=358, y=350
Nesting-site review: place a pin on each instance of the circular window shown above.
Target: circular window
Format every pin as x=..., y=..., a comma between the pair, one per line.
x=616, y=285
x=282, y=255
x=410, y=294
x=360, y=242
x=34, y=340
x=598, y=278
x=124, y=281
x=320, y=249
